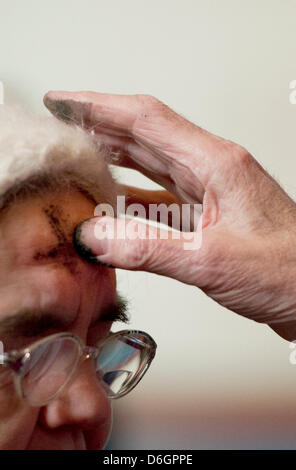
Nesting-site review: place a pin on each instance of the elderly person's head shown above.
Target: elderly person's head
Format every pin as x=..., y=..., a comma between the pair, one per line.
x=52, y=176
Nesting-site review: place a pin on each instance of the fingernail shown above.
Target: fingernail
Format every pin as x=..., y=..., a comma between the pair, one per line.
x=67, y=110
x=83, y=239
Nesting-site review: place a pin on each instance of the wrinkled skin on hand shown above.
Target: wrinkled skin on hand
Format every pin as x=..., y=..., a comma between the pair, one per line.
x=247, y=260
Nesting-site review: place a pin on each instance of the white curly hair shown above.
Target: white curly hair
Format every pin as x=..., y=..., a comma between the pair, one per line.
x=41, y=153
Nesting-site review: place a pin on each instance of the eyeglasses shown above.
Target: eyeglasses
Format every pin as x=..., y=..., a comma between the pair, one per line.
x=44, y=368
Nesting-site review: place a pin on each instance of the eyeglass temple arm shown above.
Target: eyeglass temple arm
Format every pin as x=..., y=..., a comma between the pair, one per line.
x=12, y=361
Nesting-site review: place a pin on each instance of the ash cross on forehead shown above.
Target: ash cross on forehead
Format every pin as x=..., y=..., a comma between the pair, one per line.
x=64, y=249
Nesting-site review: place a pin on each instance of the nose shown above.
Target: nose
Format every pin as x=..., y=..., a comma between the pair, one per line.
x=82, y=405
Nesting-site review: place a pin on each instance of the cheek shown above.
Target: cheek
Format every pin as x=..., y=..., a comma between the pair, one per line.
x=98, y=438
x=17, y=420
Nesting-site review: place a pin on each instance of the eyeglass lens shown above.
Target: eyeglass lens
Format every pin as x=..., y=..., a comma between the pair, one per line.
x=50, y=365
x=119, y=364
x=48, y=368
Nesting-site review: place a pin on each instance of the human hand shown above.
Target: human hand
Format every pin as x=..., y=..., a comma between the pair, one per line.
x=247, y=259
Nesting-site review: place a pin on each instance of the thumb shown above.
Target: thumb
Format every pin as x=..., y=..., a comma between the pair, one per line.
x=129, y=244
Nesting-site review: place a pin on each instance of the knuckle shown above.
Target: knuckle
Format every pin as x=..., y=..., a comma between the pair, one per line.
x=241, y=155
x=236, y=157
x=151, y=108
x=148, y=101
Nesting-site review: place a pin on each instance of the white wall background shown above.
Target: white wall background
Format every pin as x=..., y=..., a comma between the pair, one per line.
x=218, y=380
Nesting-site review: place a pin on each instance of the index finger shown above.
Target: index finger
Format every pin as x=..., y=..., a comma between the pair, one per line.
x=92, y=108
x=121, y=112
x=188, y=152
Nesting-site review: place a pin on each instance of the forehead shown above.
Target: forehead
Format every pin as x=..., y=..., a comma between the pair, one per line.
x=39, y=268
x=38, y=264
x=61, y=226
x=42, y=228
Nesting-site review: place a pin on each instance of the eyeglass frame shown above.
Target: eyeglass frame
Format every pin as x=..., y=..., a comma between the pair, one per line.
x=15, y=360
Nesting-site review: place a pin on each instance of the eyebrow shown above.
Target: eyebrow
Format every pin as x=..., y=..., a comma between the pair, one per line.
x=34, y=322
x=117, y=311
